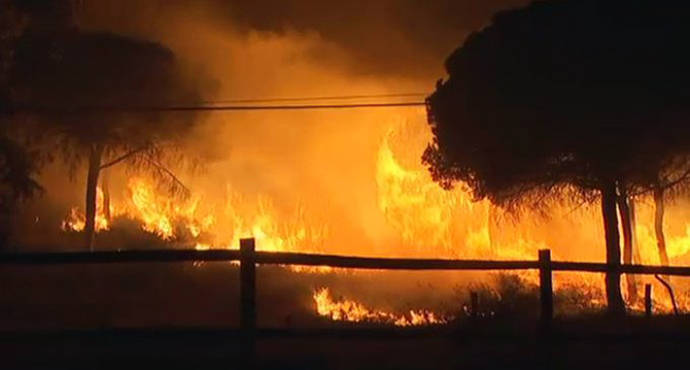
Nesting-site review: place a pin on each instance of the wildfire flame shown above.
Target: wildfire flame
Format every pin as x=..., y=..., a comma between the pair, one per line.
x=420, y=214
x=451, y=224
x=352, y=311
x=159, y=213
x=76, y=220
x=168, y=217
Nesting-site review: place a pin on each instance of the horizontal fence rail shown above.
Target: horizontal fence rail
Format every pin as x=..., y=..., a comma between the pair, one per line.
x=626, y=269
x=129, y=256
x=337, y=261
x=305, y=259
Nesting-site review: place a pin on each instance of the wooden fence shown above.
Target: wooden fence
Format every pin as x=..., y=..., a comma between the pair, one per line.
x=249, y=258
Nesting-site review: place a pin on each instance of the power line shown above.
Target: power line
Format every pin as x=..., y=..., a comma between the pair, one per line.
x=187, y=108
x=316, y=98
x=283, y=107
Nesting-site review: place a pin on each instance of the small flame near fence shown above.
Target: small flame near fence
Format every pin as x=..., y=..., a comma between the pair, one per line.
x=353, y=311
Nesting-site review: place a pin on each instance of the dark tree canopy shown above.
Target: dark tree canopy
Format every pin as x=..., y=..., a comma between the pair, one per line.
x=18, y=164
x=563, y=92
x=62, y=76
x=76, y=70
x=577, y=94
x=17, y=168
x=82, y=89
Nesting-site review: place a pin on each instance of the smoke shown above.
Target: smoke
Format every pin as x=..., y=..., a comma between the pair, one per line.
x=405, y=38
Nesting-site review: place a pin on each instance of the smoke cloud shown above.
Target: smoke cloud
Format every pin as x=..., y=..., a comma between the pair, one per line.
x=406, y=38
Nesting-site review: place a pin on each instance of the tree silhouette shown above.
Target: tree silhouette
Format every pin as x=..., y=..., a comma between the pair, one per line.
x=564, y=95
x=18, y=164
x=64, y=78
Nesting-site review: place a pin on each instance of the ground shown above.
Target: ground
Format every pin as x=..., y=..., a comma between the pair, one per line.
x=185, y=316
x=635, y=347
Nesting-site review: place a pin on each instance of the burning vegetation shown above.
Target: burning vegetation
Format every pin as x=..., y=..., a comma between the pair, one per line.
x=316, y=181
x=184, y=220
x=419, y=213
x=352, y=311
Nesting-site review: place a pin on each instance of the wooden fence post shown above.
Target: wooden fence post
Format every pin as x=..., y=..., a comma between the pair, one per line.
x=648, y=300
x=248, y=298
x=545, y=288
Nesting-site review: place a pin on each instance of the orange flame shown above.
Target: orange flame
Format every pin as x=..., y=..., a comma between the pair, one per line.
x=352, y=311
x=76, y=220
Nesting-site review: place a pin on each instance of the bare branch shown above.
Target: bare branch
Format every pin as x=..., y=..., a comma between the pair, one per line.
x=166, y=171
x=123, y=157
x=685, y=176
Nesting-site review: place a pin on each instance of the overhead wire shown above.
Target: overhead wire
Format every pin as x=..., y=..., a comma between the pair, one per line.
x=360, y=101
x=316, y=98
x=183, y=108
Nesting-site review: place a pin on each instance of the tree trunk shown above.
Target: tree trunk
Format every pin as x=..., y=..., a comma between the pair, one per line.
x=105, y=185
x=659, y=225
x=613, y=251
x=627, y=220
x=633, y=216
x=91, y=194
